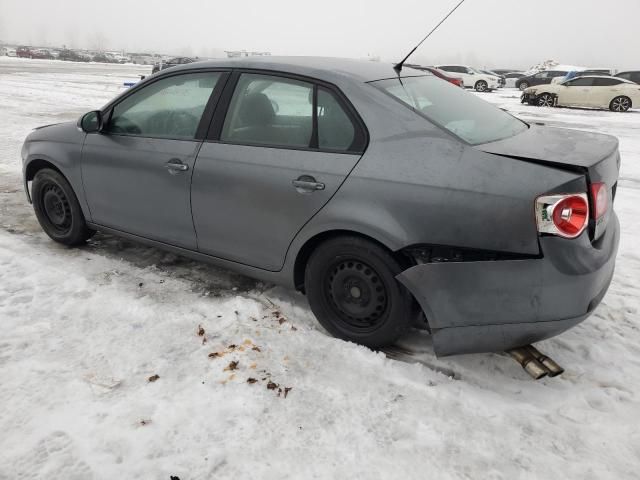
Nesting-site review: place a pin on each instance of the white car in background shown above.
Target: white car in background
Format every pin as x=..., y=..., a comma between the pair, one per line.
x=511, y=78
x=7, y=51
x=616, y=94
x=472, y=78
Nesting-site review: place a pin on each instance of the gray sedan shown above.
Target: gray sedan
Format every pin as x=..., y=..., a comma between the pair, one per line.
x=386, y=198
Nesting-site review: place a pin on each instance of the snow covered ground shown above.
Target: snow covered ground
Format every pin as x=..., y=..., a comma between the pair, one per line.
x=84, y=330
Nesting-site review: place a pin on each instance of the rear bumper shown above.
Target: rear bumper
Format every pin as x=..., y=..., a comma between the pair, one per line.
x=497, y=305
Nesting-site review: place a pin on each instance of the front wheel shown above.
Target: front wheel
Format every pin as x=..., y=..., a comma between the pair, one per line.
x=481, y=86
x=523, y=86
x=57, y=209
x=545, y=100
x=620, y=104
x=352, y=290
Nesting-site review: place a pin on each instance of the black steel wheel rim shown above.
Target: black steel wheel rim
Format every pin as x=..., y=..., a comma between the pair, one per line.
x=56, y=208
x=357, y=294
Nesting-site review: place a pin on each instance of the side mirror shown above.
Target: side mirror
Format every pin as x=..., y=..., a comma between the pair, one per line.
x=91, y=122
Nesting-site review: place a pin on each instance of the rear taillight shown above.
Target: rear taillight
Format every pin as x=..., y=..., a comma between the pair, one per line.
x=564, y=215
x=600, y=199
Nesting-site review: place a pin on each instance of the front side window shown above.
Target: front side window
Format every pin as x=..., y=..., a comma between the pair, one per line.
x=580, y=82
x=465, y=115
x=168, y=108
x=542, y=75
x=626, y=76
x=269, y=110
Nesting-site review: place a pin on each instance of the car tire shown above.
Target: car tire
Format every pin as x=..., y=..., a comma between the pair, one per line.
x=545, y=100
x=620, y=104
x=57, y=209
x=523, y=86
x=481, y=86
x=352, y=290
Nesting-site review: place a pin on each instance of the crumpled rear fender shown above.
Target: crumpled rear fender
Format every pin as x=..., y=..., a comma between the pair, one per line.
x=483, y=306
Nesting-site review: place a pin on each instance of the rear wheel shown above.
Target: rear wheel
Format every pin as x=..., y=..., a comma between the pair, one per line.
x=481, y=86
x=523, y=85
x=351, y=287
x=545, y=100
x=57, y=209
x=620, y=104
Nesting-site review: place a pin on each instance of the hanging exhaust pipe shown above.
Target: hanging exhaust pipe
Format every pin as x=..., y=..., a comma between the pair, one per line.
x=553, y=368
x=535, y=363
x=527, y=361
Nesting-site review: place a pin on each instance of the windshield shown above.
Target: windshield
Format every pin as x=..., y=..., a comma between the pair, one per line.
x=463, y=114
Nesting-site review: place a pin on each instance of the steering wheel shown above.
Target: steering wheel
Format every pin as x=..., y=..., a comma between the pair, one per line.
x=123, y=125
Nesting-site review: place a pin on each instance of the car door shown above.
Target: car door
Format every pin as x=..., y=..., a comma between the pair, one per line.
x=272, y=162
x=137, y=171
x=603, y=90
x=540, y=78
x=576, y=92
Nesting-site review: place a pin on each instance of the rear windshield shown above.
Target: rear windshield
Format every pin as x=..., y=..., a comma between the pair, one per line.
x=463, y=114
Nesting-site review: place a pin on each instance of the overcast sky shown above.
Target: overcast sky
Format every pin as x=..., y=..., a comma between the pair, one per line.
x=484, y=33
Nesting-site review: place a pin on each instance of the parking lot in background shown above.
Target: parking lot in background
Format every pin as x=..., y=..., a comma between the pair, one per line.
x=84, y=330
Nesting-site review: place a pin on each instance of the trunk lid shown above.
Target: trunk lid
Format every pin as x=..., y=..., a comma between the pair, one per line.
x=594, y=154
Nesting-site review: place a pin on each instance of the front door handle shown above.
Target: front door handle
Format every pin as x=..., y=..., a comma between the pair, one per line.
x=307, y=184
x=175, y=165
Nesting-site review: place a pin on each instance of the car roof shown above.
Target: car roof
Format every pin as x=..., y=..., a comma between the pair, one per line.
x=322, y=68
x=601, y=76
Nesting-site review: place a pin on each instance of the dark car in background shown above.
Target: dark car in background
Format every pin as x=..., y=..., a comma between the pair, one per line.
x=541, y=78
x=42, y=54
x=494, y=232
x=633, y=76
x=72, y=56
x=23, y=52
x=173, y=62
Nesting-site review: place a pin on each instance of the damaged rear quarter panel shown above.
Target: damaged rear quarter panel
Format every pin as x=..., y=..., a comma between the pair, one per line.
x=424, y=187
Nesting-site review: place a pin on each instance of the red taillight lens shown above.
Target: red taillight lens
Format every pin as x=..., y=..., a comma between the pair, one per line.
x=563, y=215
x=571, y=215
x=600, y=199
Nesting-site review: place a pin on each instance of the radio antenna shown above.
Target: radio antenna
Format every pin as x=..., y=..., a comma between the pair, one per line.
x=398, y=66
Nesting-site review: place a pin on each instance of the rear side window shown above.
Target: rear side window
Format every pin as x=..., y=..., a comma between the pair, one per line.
x=605, y=82
x=335, y=129
x=268, y=110
x=168, y=108
x=465, y=115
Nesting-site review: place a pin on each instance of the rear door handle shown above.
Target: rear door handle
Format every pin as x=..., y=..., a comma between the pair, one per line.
x=307, y=184
x=175, y=165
